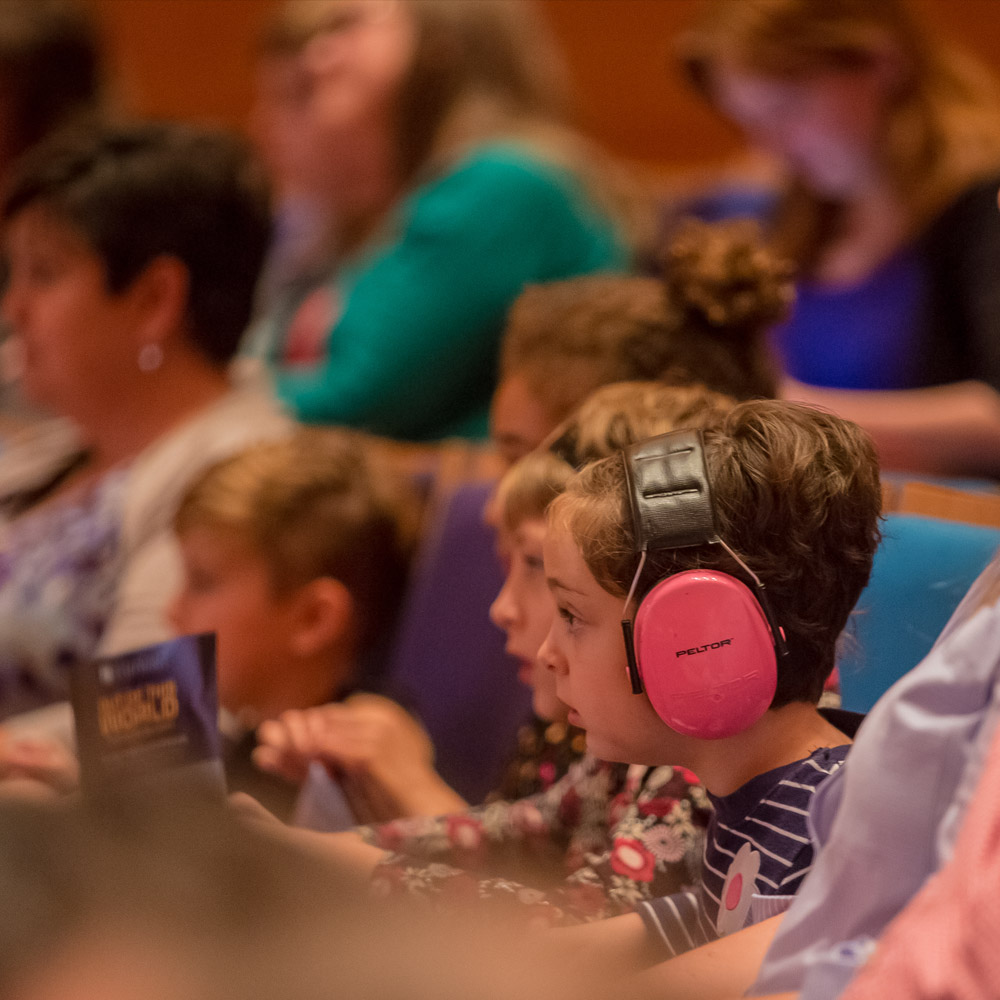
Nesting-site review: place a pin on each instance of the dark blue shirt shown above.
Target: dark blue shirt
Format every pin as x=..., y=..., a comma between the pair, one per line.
x=863, y=336
x=928, y=315
x=758, y=845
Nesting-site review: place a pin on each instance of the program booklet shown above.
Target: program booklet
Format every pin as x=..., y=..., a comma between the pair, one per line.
x=149, y=716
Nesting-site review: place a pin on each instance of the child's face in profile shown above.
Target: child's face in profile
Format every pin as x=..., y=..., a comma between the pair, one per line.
x=227, y=589
x=524, y=610
x=519, y=420
x=585, y=652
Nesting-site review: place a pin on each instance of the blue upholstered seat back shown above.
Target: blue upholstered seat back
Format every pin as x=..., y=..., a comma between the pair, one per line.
x=922, y=570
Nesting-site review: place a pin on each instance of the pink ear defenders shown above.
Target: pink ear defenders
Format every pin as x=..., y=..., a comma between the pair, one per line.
x=702, y=644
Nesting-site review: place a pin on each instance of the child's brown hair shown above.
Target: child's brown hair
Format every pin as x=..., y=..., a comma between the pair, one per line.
x=704, y=322
x=319, y=503
x=796, y=495
x=610, y=419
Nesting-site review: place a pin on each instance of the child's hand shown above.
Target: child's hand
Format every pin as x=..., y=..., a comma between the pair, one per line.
x=364, y=732
x=380, y=754
x=286, y=745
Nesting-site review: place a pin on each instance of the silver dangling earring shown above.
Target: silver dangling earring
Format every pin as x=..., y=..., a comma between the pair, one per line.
x=150, y=357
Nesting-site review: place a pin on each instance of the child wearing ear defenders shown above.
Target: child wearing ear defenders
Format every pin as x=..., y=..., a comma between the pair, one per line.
x=795, y=500
x=572, y=852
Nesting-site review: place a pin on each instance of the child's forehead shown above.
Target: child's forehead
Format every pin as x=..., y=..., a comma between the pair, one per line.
x=218, y=542
x=524, y=531
x=564, y=563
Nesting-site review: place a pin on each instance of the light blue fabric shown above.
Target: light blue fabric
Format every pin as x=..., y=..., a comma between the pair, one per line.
x=922, y=570
x=887, y=819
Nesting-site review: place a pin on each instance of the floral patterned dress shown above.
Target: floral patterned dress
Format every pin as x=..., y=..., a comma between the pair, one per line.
x=595, y=844
x=545, y=752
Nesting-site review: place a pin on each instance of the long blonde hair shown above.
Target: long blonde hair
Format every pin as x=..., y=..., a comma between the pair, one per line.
x=490, y=69
x=480, y=70
x=943, y=121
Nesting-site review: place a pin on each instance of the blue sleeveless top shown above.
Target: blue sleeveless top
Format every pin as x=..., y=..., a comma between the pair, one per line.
x=869, y=335
x=863, y=336
x=929, y=315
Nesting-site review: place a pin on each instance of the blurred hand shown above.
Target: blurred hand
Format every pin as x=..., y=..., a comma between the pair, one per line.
x=381, y=756
x=31, y=765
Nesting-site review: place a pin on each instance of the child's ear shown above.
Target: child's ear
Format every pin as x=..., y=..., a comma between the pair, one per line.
x=160, y=294
x=325, y=617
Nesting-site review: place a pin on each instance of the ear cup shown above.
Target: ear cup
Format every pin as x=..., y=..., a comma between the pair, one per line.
x=705, y=654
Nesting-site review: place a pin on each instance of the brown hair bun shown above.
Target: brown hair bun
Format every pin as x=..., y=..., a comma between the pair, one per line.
x=722, y=277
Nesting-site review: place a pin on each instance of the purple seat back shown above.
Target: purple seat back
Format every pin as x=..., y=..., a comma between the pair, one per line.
x=448, y=664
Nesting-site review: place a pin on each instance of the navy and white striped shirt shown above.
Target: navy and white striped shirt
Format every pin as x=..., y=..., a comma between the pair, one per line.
x=757, y=852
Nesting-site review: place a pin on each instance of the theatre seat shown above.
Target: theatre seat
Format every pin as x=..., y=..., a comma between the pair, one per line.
x=922, y=570
x=448, y=664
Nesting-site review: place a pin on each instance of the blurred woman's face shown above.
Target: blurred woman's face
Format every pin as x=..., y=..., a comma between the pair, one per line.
x=76, y=340
x=357, y=66
x=279, y=121
x=825, y=128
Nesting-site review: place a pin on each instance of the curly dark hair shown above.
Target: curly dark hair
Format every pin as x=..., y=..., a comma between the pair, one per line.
x=796, y=495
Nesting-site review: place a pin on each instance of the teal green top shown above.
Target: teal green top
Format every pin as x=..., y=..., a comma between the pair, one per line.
x=413, y=354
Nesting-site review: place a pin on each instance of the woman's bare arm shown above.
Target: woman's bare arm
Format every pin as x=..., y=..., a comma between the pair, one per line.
x=946, y=430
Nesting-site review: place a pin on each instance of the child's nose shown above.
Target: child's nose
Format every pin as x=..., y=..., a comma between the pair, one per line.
x=549, y=655
x=503, y=613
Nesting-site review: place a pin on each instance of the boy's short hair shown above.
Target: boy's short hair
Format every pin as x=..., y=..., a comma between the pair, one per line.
x=796, y=494
x=320, y=503
x=136, y=192
x=704, y=322
x=610, y=419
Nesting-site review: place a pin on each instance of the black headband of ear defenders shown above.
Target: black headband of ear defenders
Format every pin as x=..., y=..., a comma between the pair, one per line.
x=670, y=498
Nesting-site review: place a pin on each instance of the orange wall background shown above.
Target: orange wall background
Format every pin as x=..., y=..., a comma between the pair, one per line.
x=194, y=59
